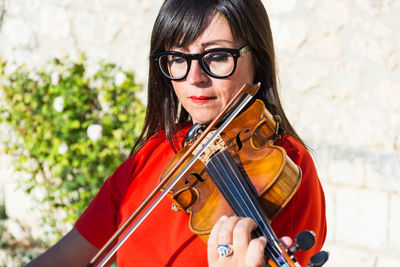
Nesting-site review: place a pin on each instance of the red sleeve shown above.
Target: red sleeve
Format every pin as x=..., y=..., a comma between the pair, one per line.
x=101, y=218
x=99, y=221
x=306, y=210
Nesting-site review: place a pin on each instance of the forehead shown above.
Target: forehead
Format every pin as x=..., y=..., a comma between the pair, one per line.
x=215, y=31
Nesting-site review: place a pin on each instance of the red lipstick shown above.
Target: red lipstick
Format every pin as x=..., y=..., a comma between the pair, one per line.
x=200, y=99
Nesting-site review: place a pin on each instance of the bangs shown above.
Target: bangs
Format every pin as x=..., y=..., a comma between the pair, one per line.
x=182, y=22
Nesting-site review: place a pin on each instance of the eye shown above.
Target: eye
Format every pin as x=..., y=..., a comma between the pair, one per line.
x=176, y=59
x=217, y=57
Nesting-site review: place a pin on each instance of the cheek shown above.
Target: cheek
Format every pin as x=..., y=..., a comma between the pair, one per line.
x=178, y=90
x=249, y=73
x=244, y=72
x=248, y=68
x=243, y=76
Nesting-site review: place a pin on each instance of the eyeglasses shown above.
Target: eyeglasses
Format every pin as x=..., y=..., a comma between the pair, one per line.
x=217, y=63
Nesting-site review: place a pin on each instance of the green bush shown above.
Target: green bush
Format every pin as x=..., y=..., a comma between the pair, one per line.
x=70, y=129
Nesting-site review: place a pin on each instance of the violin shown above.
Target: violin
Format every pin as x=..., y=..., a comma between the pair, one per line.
x=234, y=168
x=245, y=149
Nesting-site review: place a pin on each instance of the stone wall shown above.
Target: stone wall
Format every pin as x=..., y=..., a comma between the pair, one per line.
x=340, y=84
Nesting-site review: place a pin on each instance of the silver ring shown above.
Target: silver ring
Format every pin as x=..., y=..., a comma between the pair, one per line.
x=225, y=250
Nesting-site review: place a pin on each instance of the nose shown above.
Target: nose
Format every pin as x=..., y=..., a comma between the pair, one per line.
x=196, y=75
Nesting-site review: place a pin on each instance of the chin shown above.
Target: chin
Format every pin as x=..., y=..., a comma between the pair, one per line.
x=204, y=119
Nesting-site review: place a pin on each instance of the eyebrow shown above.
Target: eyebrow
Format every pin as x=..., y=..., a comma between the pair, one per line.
x=213, y=42
x=217, y=42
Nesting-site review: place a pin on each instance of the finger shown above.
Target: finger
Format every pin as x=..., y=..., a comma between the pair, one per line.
x=212, y=242
x=255, y=252
x=242, y=234
x=286, y=241
x=225, y=233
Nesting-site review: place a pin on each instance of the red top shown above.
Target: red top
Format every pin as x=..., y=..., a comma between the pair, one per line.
x=164, y=239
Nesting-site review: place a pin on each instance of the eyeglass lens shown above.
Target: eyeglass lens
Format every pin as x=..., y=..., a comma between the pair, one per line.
x=217, y=63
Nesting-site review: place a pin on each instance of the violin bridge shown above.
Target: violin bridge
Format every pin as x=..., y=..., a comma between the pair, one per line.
x=212, y=149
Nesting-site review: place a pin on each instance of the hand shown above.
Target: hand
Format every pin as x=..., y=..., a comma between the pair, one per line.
x=236, y=231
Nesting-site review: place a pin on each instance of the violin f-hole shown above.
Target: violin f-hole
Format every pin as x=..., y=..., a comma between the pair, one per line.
x=239, y=142
x=197, y=177
x=185, y=198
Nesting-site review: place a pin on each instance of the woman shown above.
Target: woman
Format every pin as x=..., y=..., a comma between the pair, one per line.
x=183, y=91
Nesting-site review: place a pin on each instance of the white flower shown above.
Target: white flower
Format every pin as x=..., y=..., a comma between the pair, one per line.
x=41, y=81
x=10, y=69
x=55, y=78
x=119, y=78
x=105, y=105
x=4, y=82
x=91, y=70
x=95, y=83
x=34, y=76
x=94, y=132
x=58, y=104
x=63, y=148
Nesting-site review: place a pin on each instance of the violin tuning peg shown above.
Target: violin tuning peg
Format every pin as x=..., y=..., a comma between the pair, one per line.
x=194, y=132
x=318, y=259
x=304, y=241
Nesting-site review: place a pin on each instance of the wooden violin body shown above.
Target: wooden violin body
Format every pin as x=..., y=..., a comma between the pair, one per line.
x=265, y=167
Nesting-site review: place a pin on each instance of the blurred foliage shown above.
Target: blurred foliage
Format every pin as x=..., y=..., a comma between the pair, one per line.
x=16, y=252
x=71, y=126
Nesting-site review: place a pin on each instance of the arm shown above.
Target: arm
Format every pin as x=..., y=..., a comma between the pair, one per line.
x=71, y=250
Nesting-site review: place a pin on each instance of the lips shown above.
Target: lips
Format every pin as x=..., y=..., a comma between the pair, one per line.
x=201, y=99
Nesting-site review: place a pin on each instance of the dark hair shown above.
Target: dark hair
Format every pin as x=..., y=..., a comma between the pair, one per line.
x=179, y=23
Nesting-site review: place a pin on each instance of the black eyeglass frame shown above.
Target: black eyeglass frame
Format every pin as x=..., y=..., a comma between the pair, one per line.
x=236, y=53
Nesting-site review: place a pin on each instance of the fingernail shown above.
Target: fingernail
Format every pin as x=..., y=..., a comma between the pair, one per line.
x=263, y=238
x=223, y=218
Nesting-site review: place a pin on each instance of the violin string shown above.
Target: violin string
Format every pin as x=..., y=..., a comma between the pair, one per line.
x=251, y=206
x=254, y=211
x=239, y=181
x=227, y=189
x=224, y=188
x=235, y=187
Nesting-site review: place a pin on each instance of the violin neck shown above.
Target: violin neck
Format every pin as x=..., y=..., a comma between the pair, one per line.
x=233, y=186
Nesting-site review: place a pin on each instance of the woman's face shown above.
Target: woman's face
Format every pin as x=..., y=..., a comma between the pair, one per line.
x=201, y=95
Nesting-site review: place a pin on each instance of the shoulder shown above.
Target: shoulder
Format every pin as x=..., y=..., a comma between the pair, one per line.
x=159, y=139
x=143, y=152
x=156, y=148
x=295, y=150
x=154, y=142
